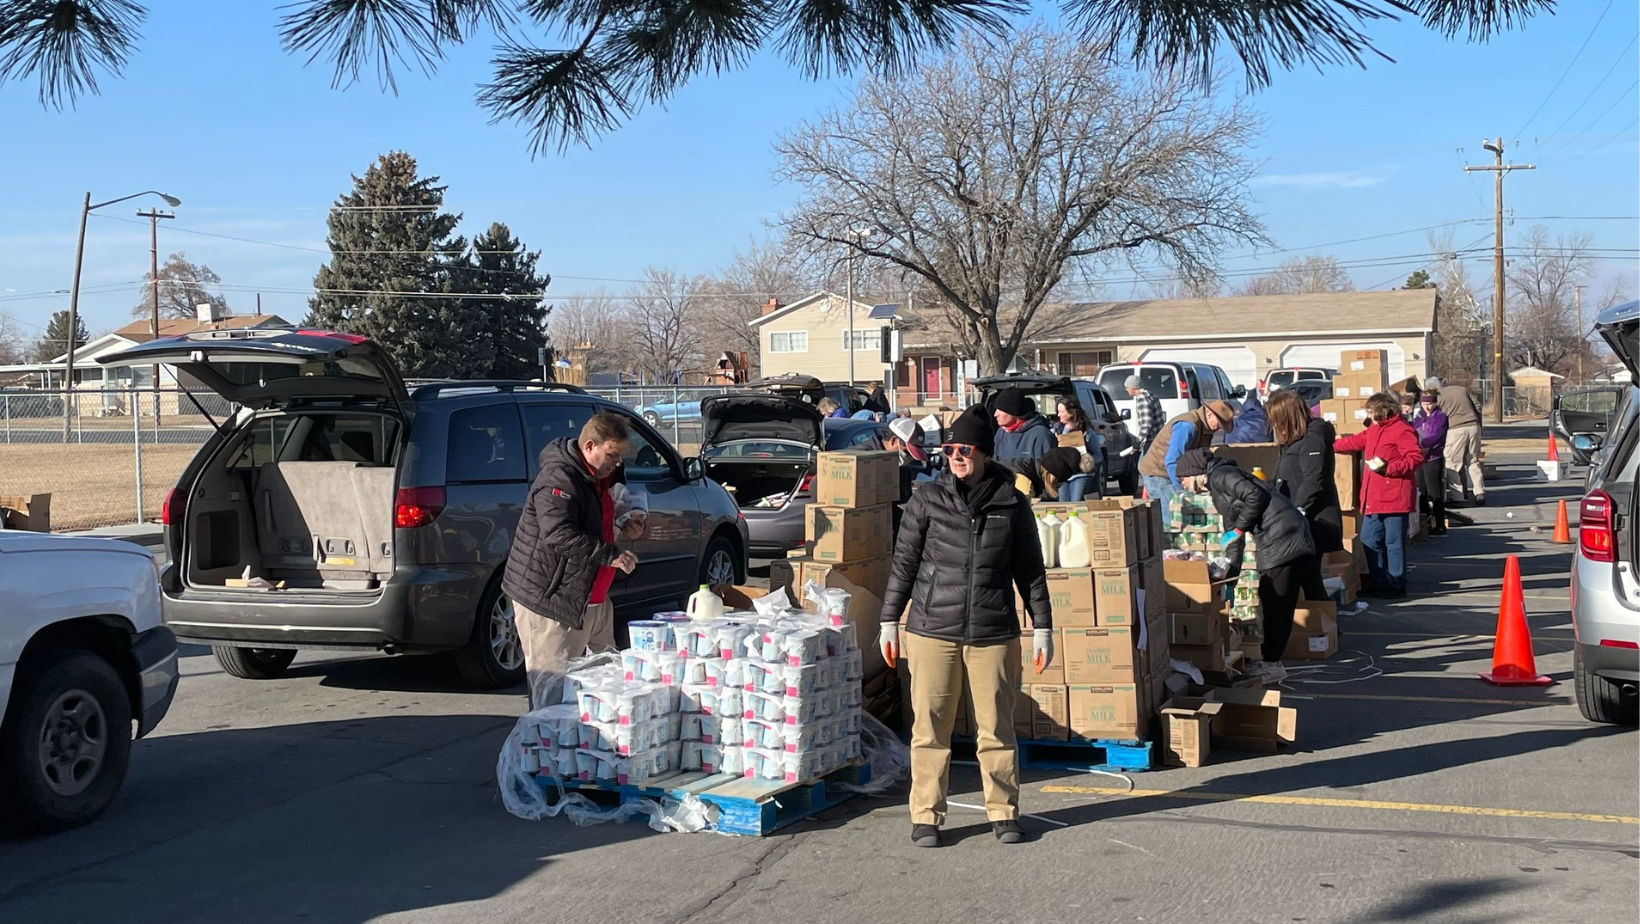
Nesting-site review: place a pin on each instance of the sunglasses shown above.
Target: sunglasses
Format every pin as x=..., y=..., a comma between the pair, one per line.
x=958, y=449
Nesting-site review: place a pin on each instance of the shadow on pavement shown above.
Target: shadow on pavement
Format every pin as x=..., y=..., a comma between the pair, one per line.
x=1441, y=901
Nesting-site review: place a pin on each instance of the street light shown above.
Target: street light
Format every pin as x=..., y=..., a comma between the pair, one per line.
x=74, y=298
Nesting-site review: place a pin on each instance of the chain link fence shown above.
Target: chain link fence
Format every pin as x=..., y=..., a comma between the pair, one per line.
x=673, y=410
x=107, y=457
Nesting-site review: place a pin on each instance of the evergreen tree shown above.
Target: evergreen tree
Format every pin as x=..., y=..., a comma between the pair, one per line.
x=392, y=267
x=508, y=327
x=1419, y=280
x=55, y=341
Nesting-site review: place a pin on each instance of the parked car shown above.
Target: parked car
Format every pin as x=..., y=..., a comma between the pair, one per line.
x=1586, y=412
x=1605, y=582
x=338, y=509
x=1121, y=465
x=764, y=449
x=660, y=413
x=810, y=390
x=1180, y=387
x=83, y=655
x=1281, y=378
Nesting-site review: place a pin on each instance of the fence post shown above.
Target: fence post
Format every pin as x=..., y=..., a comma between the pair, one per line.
x=136, y=445
x=674, y=413
x=8, y=418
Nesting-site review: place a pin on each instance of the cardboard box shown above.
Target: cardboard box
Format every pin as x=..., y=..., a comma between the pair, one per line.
x=1099, y=655
x=1055, y=672
x=1075, y=439
x=866, y=581
x=1190, y=588
x=857, y=479
x=31, y=512
x=738, y=597
x=1216, y=658
x=1347, y=478
x=784, y=574
x=1362, y=361
x=1352, y=531
x=1043, y=712
x=1315, y=632
x=1071, y=593
x=1359, y=386
x=1119, y=710
x=1248, y=456
x=1113, y=532
x=1253, y=720
x=1187, y=730
x=1116, y=595
x=847, y=533
x=1197, y=628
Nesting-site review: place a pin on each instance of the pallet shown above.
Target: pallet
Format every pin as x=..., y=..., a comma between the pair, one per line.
x=1107, y=754
x=744, y=806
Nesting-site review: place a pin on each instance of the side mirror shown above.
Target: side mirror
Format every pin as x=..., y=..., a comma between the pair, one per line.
x=1240, y=391
x=1586, y=442
x=693, y=470
x=1127, y=413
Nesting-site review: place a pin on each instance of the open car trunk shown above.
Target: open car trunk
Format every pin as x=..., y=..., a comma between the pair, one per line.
x=759, y=483
x=293, y=502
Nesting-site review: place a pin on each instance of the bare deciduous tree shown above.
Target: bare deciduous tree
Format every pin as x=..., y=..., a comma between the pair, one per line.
x=998, y=170
x=13, y=342
x=1301, y=276
x=734, y=297
x=1459, y=322
x=1541, y=328
x=594, y=324
x=663, y=323
x=183, y=287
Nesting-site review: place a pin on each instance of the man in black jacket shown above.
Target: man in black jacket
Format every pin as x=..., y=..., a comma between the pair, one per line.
x=564, y=557
x=1285, y=557
x=966, y=542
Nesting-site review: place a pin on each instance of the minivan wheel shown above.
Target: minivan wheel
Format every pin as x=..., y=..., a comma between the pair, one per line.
x=1600, y=699
x=253, y=663
x=66, y=743
x=719, y=566
x=493, y=658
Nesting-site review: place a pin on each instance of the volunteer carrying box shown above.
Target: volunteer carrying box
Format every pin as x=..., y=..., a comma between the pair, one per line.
x=847, y=533
x=857, y=479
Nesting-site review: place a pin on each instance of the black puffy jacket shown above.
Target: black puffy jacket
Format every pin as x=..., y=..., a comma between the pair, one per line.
x=557, y=550
x=1305, y=475
x=960, y=554
x=1250, y=505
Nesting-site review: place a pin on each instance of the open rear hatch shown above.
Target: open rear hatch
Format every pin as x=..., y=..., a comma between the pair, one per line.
x=762, y=448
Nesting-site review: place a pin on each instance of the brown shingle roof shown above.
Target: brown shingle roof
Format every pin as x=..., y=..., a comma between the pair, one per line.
x=139, y=331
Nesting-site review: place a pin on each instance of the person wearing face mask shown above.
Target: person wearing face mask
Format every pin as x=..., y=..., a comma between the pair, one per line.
x=564, y=557
x=1390, y=447
x=1285, y=557
x=1430, y=422
x=967, y=541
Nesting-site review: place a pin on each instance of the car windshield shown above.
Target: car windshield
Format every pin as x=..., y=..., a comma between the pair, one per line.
x=1282, y=377
x=758, y=449
x=1160, y=381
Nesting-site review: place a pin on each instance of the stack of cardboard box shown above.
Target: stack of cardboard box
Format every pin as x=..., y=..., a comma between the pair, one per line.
x=848, y=537
x=1361, y=374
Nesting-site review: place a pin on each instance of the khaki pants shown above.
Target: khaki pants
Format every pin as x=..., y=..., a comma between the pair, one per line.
x=937, y=670
x=549, y=646
x=1463, y=456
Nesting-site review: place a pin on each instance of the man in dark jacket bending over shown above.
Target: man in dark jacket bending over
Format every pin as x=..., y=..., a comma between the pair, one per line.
x=564, y=556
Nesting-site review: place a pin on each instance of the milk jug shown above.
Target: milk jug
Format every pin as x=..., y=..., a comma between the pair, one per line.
x=1047, y=532
x=1074, y=551
x=703, y=604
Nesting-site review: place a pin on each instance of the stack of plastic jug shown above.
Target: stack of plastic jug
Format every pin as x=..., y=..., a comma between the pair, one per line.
x=1047, y=532
x=703, y=604
x=1074, y=548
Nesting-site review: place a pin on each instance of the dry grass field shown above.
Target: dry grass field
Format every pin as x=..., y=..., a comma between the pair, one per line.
x=92, y=484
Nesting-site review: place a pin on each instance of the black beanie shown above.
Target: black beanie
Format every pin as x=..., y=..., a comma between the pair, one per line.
x=1014, y=402
x=976, y=429
x=1194, y=462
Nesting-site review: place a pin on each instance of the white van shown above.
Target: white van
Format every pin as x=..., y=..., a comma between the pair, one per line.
x=1180, y=387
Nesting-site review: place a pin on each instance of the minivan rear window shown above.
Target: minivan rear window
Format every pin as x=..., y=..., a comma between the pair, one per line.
x=486, y=444
x=1281, y=377
x=1160, y=381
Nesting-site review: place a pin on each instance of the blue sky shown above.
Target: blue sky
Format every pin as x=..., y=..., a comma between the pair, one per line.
x=257, y=146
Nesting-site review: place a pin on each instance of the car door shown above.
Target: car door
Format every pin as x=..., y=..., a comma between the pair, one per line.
x=669, y=552
x=1585, y=412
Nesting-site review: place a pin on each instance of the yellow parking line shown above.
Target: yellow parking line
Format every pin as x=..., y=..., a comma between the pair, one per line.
x=1468, y=700
x=1538, y=634
x=1348, y=803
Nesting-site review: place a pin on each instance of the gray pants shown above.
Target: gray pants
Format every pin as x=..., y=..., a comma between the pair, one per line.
x=549, y=646
x=1463, y=457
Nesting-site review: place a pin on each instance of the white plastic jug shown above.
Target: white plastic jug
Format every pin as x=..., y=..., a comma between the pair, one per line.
x=1074, y=551
x=703, y=604
x=1047, y=532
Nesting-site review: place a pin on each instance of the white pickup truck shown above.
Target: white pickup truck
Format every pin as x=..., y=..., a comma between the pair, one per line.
x=83, y=656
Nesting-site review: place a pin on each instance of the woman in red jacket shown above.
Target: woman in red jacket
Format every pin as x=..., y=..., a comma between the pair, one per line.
x=1388, y=492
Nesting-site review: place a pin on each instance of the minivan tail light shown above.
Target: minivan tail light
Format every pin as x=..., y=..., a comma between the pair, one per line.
x=413, y=507
x=171, y=508
x=1594, y=530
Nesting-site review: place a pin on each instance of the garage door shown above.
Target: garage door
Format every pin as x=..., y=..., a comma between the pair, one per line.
x=1237, y=362
x=1325, y=355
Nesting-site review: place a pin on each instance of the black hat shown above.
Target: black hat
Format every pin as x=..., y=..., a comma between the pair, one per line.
x=975, y=429
x=1194, y=462
x=1014, y=402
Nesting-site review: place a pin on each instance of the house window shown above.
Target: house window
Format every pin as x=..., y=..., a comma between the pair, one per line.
x=1084, y=363
x=865, y=341
x=796, y=341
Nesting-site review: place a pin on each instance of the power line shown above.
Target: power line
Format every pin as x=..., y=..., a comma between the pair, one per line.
x=1621, y=133
x=1568, y=69
x=1592, y=122
x=1595, y=89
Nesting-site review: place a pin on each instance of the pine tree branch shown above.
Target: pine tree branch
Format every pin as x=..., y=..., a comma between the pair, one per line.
x=66, y=42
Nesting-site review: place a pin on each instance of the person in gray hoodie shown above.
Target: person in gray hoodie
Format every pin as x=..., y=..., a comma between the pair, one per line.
x=1463, y=441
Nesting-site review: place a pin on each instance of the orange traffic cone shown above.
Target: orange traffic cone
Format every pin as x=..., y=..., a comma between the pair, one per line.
x=1554, y=449
x=1512, y=661
x=1563, y=529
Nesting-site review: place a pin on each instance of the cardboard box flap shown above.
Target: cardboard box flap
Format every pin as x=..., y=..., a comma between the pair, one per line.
x=1253, y=719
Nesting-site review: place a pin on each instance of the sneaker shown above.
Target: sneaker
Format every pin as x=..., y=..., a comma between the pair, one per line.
x=1437, y=530
x=1008, y=832
x=1267, y=671
x=1480, y=501
x=925, y=835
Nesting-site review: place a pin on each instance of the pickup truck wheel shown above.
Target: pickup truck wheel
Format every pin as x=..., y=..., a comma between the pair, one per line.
x=1602, y=700
x=65, y=744
x=253, y=663
x=493, y=658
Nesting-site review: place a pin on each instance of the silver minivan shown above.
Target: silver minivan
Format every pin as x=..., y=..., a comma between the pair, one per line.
x=1180, y=387
x=336, y=508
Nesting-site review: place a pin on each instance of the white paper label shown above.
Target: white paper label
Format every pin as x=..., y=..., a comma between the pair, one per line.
x=1318, y=643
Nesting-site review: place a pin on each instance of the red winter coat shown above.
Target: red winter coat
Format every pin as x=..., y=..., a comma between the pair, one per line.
x=1393, y=489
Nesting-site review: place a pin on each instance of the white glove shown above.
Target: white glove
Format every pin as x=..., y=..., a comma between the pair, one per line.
x=1042, y=649
x=888, y=638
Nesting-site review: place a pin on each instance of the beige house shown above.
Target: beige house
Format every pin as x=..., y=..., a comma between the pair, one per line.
x=811, y=336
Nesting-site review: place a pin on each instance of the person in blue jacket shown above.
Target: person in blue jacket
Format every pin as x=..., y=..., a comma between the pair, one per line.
x=1022, y=433
x=1252, y=424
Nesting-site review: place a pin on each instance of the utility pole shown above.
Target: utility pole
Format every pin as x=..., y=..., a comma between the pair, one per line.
x=849, y=288
x=1580, y=333
x=153, y=216
x=1499, y=168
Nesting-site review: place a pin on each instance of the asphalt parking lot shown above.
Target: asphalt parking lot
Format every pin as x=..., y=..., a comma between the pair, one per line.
x=362, y=789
